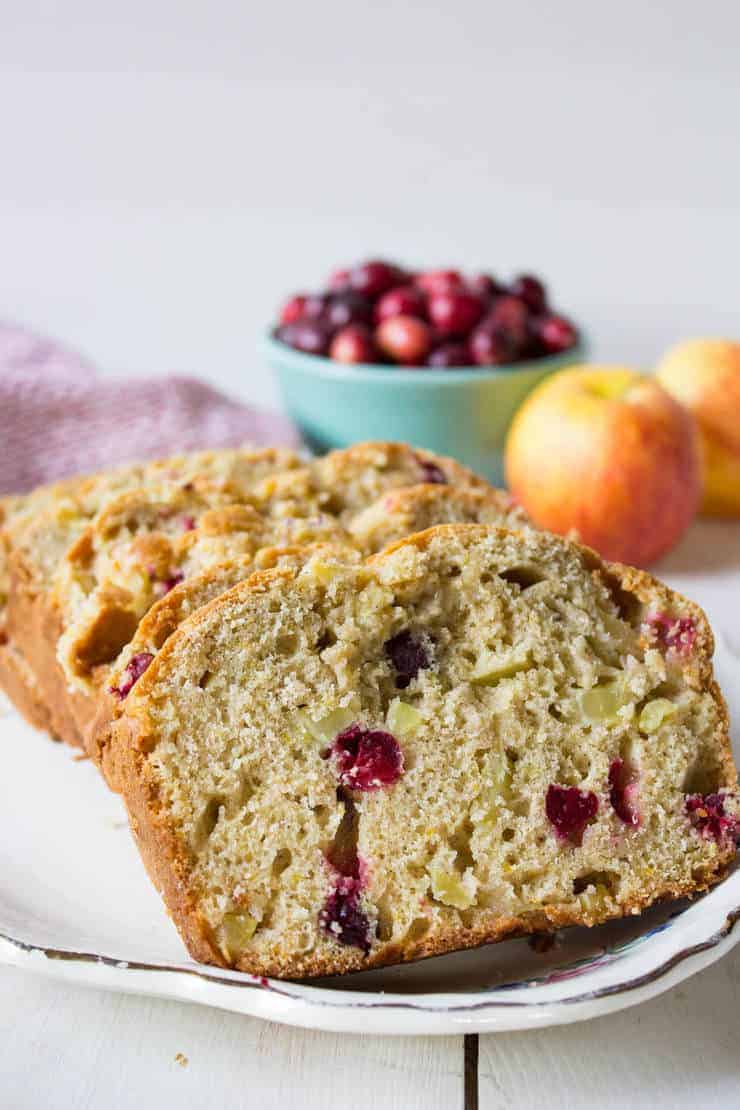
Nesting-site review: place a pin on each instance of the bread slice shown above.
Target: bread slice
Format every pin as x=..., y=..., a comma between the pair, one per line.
x=50, y=521
x=36, y=532
x=41, y=540
x=479, y=733
x=345, y=482
x=401, y=512
x=393, y=516
x=15, y=512
x=138, y=548
x=17, y=679
x=166, y=616
x=19, y=683
x=144, y=541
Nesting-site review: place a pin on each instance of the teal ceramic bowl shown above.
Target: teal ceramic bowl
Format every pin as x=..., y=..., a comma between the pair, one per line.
x=464, y=413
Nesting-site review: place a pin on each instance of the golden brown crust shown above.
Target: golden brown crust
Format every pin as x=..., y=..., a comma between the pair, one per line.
x=165, y=862
x=33, y=629
x=452, y=939
x=169, y=862
x=19, y=684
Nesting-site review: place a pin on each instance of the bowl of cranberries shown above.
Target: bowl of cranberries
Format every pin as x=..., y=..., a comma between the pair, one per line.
x=437, y=358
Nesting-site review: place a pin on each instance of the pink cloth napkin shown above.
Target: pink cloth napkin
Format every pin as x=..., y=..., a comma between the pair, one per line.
x=57, y=417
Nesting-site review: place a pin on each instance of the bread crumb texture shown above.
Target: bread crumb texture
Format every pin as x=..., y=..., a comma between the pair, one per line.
x=477, y=733
x=144, y=543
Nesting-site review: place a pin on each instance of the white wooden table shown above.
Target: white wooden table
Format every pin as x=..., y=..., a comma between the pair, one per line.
x=71, y=1049
x=66, y=1047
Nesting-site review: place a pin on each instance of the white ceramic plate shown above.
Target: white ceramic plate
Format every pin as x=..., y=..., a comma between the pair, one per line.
x=75, y=903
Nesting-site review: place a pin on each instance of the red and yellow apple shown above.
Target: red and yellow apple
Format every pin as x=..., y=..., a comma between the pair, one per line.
x=608, y=453
x=704, y=375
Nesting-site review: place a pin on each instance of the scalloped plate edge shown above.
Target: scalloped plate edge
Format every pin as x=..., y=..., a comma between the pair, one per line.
x=356, y=1012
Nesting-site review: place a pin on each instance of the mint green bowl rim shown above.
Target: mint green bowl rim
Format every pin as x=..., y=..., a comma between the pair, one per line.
x=381, y=373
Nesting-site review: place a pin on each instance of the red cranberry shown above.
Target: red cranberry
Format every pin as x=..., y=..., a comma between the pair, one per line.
x=623, y=792
x=556, y=334
x=310, y=336
x=353, y=344
x=405, y=339
x=534, y=347
x=509, y=317
x=455, y=312
x=347, y=307
x=676, y=634
x=315, y=305
x=569, y=810
x=137, y=664
x=343, y=918
x=339, y=280
x=188, y=524
x=489, y=348
x=409, y=655
x=366, y=759
x=531, y=290
x=449, y=354
x=404, y=300
x=439, y=281
x=293, y=309
x=708, y=816
x=373, y=278
x=484, y=286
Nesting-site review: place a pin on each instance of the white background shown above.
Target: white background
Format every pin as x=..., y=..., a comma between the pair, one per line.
x=168, y=170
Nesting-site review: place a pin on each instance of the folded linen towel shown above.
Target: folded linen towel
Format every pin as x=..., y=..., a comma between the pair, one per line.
x=58, y=417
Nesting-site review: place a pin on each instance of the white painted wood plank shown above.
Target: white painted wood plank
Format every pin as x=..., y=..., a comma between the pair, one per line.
x=72, y=1049
x=681, y=1050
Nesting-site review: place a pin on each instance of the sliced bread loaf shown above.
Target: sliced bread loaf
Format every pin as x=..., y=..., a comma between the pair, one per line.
x=391, y=517
x=141, y=543
x=51, y=521
x=137, y=549
x=477, y=734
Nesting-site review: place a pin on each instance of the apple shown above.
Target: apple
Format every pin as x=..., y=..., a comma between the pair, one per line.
x=608, y=453
x=704, y=374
